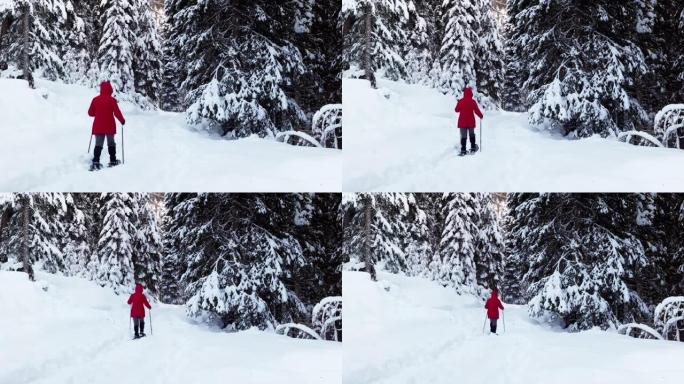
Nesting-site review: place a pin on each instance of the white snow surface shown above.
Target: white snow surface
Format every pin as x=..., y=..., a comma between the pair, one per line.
x=78, y=332
x=403, y=138
x=420, y=332
x=44, y=143
x=6, y=4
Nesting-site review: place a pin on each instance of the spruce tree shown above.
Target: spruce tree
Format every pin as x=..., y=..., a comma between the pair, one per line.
x=113, y=264
x=117, y=44
x=147, y=245
x=454, y=263
x=582, y=255
x=584, y=63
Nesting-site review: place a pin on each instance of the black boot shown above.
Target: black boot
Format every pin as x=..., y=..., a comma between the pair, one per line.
x=463, y=147
x=113, y=162
x=96, y=159
x=473, y=145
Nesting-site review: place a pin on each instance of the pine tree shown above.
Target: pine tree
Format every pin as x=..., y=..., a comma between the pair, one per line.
x=394, y=225
x=147, y=53
x=456, y=66
x=563, y=45
x=117, y=44
x=241, y=64
x=241, y=252
x=75, y=243
x=113, y=263
x=582, y=256
x=489, y=245
x=454, y=264
x=376, y=37
x=147, y=245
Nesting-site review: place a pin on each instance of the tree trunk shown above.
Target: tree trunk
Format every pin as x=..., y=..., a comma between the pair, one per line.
x=368, y=259
x=367, y=63
x=4, y=222
x=25, y=239
x=26, y=30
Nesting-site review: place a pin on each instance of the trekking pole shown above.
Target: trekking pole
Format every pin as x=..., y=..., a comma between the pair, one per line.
x=123, y=150
x=130, y=319
x=484, y=324
x=90, y=142
x=151, y=333
x=480, y=135
x=503, y=317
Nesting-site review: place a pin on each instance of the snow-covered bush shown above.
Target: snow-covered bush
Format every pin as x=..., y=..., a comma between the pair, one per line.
x=327, y=126
x=669, y=126
x=669, y=318
x=327, y=318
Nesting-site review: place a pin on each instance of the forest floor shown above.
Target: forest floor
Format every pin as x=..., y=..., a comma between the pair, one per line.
x=404, y=330
x=404, y=138
x=63, y=330
x=44, y=140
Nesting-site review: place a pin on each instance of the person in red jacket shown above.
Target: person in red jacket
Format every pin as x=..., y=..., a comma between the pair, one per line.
x=138, y=302
x=467, y=108
x=493, y=305
x=104, y=108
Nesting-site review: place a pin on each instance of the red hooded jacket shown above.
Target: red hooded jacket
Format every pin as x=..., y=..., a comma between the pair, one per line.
x=493, y=304
x=139, y=302
x=103, y=108
x=467, y=109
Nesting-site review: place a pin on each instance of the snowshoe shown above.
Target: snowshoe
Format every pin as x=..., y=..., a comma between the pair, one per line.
x=474, y=149
x=463, y=152
x=95, y=166
x=136, y=337
x=113, y=163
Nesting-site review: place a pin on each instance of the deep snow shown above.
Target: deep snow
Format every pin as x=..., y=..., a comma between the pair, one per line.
x=77, y=332
x=403, y=138
x=44, y=142
x=411, y=330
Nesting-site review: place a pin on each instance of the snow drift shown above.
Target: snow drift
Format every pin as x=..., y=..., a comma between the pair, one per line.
x=68, y=330
x=411, y=330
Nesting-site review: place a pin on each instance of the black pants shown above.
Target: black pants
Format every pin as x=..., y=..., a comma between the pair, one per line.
x=492, y=325
x=99, y=140
x=465, y=133
x=139, y=324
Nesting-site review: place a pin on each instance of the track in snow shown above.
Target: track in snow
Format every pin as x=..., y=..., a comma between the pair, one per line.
x=44, y=148
x=419, y=332
x=404, y=138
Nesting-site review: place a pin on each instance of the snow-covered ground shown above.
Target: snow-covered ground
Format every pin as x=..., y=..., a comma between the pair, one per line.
x=404, y=138
x=44, y=142
x=411, y=330
x=76, y=332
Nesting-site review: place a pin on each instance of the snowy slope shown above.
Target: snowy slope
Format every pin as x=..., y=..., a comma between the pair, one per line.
x=419, y=332
x=77, y=332
x=404, y=138
x=44, y=144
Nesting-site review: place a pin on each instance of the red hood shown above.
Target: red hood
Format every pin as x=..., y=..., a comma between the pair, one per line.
x=106, y=88
x=138, y=288
x=494, y=294
x=468, y=93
